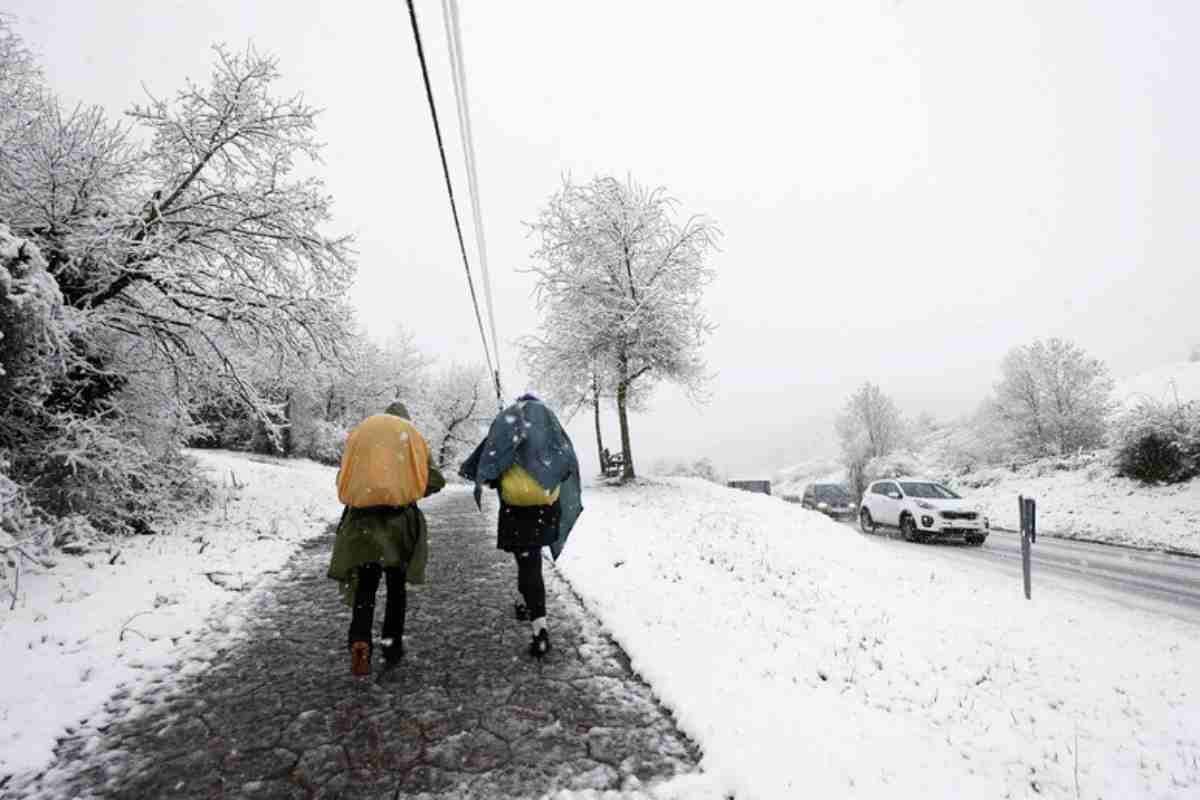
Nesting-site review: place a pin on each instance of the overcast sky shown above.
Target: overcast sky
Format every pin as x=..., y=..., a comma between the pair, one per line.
x=907, y=188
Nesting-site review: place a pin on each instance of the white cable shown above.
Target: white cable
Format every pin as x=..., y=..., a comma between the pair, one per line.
x=459, y=75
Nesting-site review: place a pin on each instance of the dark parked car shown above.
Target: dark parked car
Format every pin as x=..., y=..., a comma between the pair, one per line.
x=829, y=498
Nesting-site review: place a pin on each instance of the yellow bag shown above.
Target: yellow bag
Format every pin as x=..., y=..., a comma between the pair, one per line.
x=518, y=488
x=385, y=463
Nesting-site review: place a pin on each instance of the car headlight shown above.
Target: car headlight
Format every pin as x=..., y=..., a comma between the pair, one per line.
x=822, y=505
x=926, y=506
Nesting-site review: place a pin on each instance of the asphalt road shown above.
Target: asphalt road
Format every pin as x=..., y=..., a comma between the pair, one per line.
x=1149, y=581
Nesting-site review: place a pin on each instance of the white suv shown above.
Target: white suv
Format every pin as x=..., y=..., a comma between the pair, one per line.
x=921, y=509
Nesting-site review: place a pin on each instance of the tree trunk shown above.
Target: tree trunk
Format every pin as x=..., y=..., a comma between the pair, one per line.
x=288, y=412
x=448, y=441
x=596, y=408
x=622, y=389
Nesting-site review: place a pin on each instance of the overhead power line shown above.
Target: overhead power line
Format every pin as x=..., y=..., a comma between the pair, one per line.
x=462, y=103
x=462, y=248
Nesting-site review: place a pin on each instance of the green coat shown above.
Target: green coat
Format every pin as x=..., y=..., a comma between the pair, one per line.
x=392, y=537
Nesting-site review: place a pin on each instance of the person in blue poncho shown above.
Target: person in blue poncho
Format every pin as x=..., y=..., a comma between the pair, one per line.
x=529, y=459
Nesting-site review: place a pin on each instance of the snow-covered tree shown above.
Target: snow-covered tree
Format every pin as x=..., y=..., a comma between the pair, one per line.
x=455, y=404
x=978, y=439
x=1054, y=397
x=20, y=83
x=870, y=426
x=314, y=402
x=619, y=284
x=564, y=373
x=200, y=239
x=169, y=267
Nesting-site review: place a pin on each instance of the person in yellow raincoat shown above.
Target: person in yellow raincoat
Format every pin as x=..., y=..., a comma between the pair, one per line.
x=385, y=470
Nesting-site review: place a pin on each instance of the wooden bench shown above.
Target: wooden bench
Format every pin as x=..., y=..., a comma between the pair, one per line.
x=612, y=465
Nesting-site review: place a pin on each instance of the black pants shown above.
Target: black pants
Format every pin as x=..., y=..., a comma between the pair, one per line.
x=529, y=581
x=362, y=619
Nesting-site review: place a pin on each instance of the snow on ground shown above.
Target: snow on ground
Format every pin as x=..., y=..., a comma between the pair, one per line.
x=94, y=623
x=810, y=661
x=1083, y=499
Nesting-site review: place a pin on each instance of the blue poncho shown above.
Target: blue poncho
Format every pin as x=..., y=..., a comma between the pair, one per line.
x=528, y=433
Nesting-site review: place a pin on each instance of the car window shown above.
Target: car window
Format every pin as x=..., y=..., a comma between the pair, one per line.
x=933, y=491
x=885, y=488
x=832, y=492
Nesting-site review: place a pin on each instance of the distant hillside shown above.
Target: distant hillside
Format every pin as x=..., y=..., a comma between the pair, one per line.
x=818, y=470
x=1166, y=383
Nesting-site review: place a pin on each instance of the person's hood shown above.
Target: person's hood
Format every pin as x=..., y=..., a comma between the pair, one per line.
x=398, y=409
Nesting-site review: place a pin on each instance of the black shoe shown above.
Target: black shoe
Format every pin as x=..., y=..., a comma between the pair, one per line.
x=393, y=653
x=522, y=612
x=540, y=644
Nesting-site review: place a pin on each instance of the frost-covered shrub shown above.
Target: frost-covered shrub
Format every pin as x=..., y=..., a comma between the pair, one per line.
x=1157, y=442
x=19, y=520
x=323, y=442
x=103, y=472
x=222, y=424
x=34, y=326
x=700, y=468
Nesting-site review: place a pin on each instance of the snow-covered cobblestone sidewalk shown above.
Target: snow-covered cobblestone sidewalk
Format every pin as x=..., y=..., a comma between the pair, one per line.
x=275, y=712
x=94, y=623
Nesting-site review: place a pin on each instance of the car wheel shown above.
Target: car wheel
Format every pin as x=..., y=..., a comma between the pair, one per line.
x=865, y=522
x=908, y=529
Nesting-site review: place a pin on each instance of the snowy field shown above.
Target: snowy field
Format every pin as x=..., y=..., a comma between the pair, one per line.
x=809, y=661
x=1092, y=503
x=94, y=623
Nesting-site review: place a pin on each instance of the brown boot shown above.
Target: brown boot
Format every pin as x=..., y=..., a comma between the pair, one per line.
x=360, y=658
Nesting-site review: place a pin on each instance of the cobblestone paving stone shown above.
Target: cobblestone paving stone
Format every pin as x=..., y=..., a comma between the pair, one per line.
x=468, y=714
